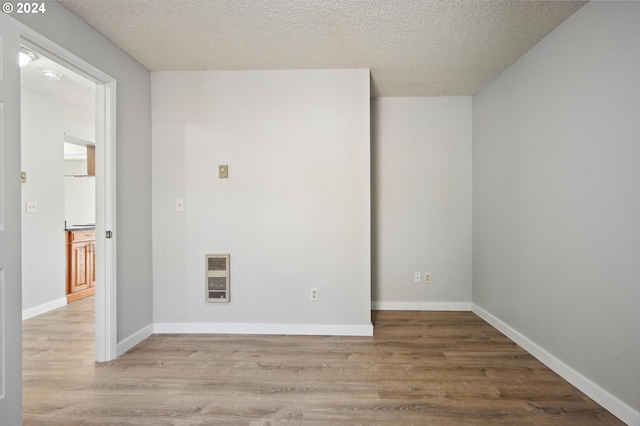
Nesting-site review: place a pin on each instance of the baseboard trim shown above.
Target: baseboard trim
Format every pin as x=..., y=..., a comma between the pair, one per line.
x=134, y=339
x=421, y=306
x=618, y=408
x=45, y=307
x=254, y=328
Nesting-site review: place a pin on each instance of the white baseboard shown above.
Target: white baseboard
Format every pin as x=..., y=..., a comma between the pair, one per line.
x=421, y=306
x=618, y=408
x=134, y=339
x=255, y=328
x=45, y=307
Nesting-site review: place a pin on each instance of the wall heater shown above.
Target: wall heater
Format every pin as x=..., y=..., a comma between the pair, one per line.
x=217, y=277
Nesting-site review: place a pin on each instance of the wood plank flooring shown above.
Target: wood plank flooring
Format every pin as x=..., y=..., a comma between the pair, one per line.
x=420, y=368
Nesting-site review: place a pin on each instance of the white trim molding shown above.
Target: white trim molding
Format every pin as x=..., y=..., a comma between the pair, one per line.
x=255, y=328
x=618, y=408
x=421, y=306
x=134, y=339
x=45, y=307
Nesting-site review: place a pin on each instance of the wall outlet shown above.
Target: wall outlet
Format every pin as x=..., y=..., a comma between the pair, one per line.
x=314, y=294
x=416, y=277
x=31, y=207
x=427, y=277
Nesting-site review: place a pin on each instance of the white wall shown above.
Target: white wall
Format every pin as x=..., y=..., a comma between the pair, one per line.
x=79, y=188
x=422, y=202
x=43, y=242
x=79, y=200
x=133, y=150
x=556, y=172
x=294, y=212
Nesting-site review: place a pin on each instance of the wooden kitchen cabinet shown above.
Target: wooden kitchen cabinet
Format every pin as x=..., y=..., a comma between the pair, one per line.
x=91, y=160
x=81, y=264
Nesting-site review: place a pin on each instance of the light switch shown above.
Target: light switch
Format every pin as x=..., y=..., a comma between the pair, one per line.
x=23, y=177
x=179, y=204
x=223, y=171
x=31, y=207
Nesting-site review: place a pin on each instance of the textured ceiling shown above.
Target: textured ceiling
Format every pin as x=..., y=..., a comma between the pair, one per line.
x=413, y=47
x=74, y=93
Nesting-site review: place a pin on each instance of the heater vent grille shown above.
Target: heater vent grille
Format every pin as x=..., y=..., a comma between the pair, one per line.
x=217, y=279
x=217, y=263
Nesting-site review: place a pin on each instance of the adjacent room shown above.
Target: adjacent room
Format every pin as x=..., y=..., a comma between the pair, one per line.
x=331, y=213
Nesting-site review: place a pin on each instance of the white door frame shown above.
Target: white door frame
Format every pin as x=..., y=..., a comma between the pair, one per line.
x=106, y=277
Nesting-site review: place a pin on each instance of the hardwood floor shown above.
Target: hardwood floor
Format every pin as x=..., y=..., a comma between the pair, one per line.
x=420, y=368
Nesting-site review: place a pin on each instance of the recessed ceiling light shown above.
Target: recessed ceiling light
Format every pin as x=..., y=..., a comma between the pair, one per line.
x=52, y=75
x=26, y=56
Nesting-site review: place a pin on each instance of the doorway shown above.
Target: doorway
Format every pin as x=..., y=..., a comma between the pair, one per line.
x=58, y=122
x=103, y=132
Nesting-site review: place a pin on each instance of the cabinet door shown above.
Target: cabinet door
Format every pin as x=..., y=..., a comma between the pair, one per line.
x=92, y=264
x=81, y=266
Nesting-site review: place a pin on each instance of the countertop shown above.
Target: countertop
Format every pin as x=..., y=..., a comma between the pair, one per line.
x=80, y=227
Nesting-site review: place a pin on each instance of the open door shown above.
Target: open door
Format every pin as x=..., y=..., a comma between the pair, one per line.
x=10, y=228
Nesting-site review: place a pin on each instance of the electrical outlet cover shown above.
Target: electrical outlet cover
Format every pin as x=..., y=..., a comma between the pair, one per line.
x=314, y=294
